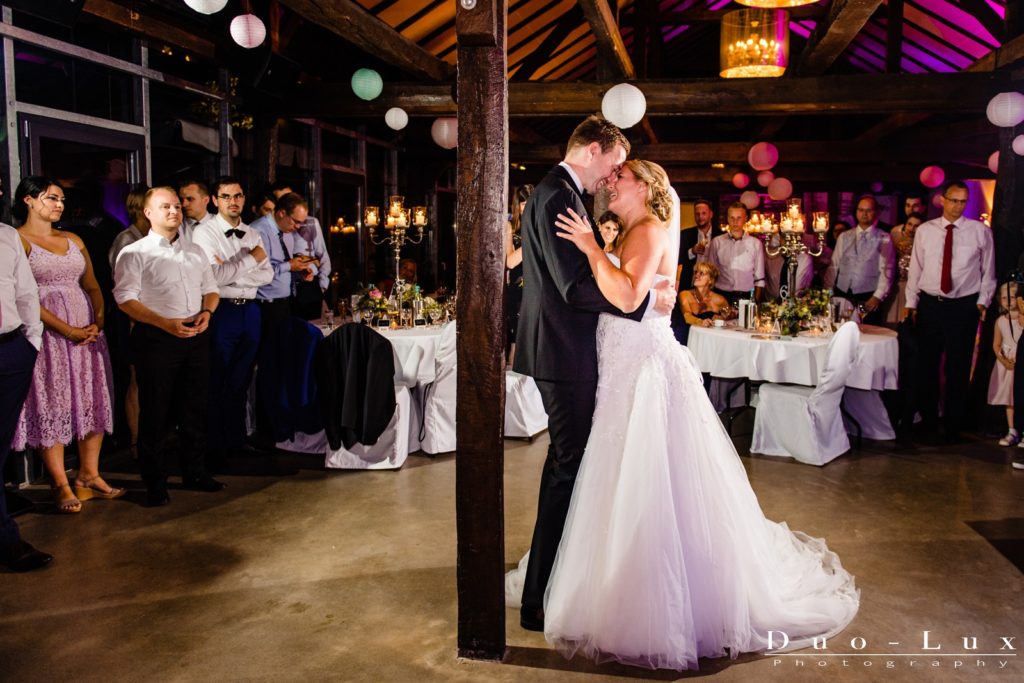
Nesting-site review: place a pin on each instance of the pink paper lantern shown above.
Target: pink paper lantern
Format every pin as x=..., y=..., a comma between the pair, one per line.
x=877, y=187
x=763, y=156
x=740, y=180
x=993, y=162
x=248, y=30
x=750, y=199
x=1018, y=145
x=932, y=176
x=445, y=132
x=780, y=189
x=937, y=201
x=765, y=178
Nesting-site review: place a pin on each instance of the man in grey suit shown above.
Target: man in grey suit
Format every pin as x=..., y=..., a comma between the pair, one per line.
x=556, y=339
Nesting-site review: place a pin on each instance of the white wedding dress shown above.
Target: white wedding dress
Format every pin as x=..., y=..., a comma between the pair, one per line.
x=666, y=555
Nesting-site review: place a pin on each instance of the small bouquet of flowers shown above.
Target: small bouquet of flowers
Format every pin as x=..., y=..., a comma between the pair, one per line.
x=432, y=309
x=796, y=313
x=411, y=293
x=371, y=301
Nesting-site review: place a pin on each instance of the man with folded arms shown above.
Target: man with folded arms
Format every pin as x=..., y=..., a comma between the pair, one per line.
x=950, y=283
x=240, y=266
x=165, y=284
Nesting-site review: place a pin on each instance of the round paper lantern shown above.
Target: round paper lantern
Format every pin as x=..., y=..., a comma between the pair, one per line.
x=1006, y=109
x=765, y=178
x=1018, y=145
x=763, y=156
x=780, y=189
x=932, y=176
x=207, y=6
x=248, y=30
x=877, y=187
x=993, y=162
x=396, y=118
x=624, y=105
x=750, y=199
x=937, y=201
x=367, y=84
x=740, y=180
x=445, y=132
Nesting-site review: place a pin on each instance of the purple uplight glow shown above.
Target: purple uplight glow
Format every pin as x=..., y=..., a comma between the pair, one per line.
x=998, y=8
x=945, y=32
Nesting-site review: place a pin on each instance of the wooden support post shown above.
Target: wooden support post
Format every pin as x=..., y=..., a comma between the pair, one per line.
x=482, y=187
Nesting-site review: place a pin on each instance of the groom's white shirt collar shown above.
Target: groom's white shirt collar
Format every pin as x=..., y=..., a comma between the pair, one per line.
x=572, y=174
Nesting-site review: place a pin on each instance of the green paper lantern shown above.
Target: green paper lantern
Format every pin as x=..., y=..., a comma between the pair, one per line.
x=367, y=84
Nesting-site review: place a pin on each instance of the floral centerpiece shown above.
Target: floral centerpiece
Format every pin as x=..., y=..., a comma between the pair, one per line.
x=431, y=308
x=372, y=302
x=411, y=293
x=794, y=313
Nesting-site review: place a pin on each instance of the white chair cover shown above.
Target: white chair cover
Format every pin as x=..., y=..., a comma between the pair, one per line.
x=390, y=451
x=524, y=410
x=867, y=409
x=805, y=423
x=439, y=406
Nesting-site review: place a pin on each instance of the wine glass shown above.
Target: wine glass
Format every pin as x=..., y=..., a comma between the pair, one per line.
x=435, y=314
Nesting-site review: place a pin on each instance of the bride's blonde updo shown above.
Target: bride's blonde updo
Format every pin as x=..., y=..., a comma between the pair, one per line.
x=659, y=200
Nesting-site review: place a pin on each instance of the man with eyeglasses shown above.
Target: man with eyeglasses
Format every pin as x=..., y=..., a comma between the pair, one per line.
x=241, y=266
x=277, y=231
x=308, y=240
x=950, y=283
x=865, y=262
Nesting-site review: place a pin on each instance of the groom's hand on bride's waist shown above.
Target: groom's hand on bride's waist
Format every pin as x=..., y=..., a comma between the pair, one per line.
x=664, y=297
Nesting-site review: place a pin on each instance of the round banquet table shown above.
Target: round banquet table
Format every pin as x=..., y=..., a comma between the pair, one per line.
x=730, y=352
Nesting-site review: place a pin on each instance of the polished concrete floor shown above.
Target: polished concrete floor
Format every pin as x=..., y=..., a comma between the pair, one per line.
x=297, y=574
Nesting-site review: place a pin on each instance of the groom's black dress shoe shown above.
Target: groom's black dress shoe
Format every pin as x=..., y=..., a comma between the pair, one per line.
x=532, y=620
x=22, y=557
x=203, y=483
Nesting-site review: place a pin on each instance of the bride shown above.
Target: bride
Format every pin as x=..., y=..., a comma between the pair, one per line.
x=666, y=555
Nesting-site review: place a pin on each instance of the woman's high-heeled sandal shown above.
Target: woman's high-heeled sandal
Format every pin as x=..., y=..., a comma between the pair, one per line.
x=68, y=506
x=87, y=488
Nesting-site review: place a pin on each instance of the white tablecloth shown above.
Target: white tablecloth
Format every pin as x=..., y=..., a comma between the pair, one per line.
x=729, y=352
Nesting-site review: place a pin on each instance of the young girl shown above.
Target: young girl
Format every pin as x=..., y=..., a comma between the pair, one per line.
x=1004, y=343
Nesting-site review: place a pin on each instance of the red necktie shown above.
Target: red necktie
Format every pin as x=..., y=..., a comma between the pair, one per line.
x=947, y=261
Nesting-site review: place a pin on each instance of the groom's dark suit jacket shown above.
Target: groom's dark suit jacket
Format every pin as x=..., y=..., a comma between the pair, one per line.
x=561, y=302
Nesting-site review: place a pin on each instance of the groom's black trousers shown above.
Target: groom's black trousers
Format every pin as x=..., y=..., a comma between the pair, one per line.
x=570, y=408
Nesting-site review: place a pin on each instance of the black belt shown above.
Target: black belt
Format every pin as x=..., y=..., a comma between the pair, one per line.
x=12, y=335
x=955, y=299
x=273, y=301
x=237, y=302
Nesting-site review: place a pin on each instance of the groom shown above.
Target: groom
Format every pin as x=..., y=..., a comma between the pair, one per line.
x=556, y=340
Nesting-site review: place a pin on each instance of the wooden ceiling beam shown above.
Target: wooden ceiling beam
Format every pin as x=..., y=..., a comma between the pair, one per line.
x=143, y=21
x=845, y=20
x=607, y=38
x=846, y=94
x=816, y=152
x=345, y=18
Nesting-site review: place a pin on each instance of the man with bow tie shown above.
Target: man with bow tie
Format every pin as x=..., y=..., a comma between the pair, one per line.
x=950, y=283
x=240, y=266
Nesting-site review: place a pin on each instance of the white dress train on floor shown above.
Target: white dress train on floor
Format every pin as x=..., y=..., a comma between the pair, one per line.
x=666, y=555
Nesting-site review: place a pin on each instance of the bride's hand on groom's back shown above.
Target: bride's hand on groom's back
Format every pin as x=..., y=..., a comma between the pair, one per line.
x=577, y=230
x=665, y=297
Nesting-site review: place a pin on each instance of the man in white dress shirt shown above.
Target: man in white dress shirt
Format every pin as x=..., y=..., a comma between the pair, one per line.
x=164, y=282
x=21, y=335
x=739, y=258
x=865, y=262
x=950, y=283
x=240, y=265
x=195, y=198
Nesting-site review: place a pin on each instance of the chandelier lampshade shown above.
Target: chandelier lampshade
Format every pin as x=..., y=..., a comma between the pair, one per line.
x=776, y=4
x=755, y=43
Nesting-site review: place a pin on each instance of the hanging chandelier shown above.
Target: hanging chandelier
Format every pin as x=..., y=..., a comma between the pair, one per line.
x=755, y=43
x=776, y=4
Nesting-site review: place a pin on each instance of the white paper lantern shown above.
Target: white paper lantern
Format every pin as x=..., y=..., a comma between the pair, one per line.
x=445, y=132
x=780, y=189
x=624, y=105
x=765, y=178
x=1006, y=109
x=248, y=30
x=367, y=84
x=750, y=199
x=207, y=6
x=1018, y=145
x=396, y=118
x=993, y=162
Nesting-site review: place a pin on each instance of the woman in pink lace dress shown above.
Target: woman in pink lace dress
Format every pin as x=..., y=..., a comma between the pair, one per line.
x=71, y=384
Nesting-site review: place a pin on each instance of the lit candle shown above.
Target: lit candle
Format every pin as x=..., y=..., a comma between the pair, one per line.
x=419, y=216
x=391, y=221
x=786, y=224
x=372, y=217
